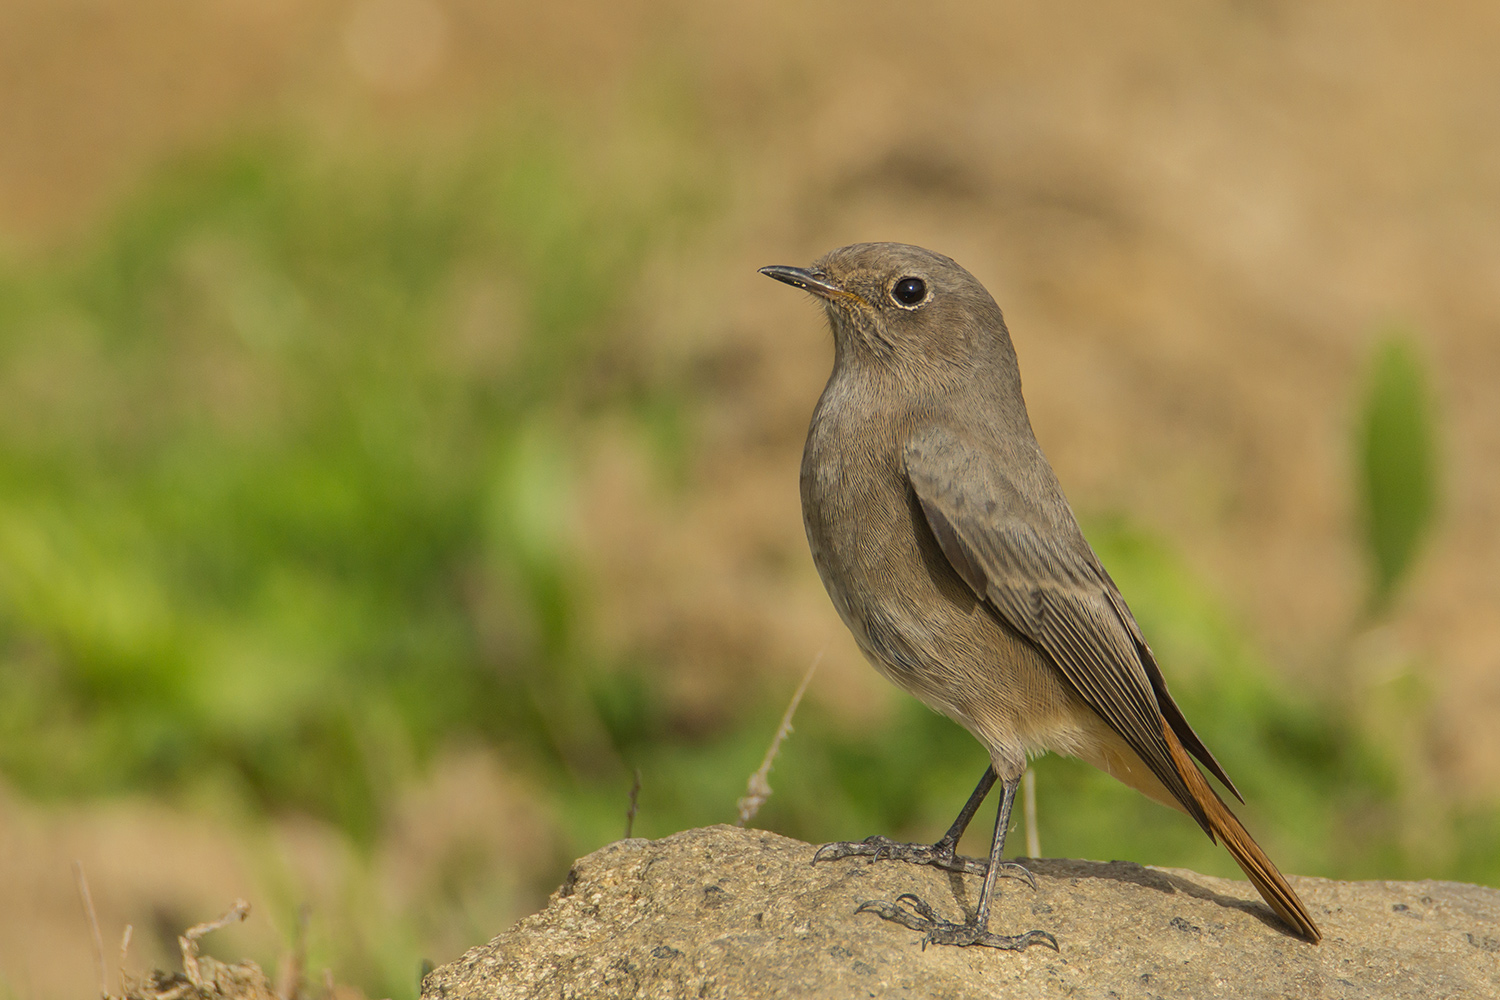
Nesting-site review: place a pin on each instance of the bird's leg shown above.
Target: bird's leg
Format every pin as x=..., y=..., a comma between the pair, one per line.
x=943, y=854
x=911, y=911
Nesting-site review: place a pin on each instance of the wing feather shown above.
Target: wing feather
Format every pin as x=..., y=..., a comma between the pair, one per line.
x=1050, y=588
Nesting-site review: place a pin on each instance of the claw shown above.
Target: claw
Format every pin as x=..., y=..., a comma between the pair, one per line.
x=920, y=905
x=871, y=846
x=1033, y=937
x=1020, y=871
x=828, y=852
x=894, y=913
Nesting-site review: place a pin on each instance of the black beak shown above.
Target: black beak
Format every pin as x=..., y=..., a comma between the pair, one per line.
x=806, y=280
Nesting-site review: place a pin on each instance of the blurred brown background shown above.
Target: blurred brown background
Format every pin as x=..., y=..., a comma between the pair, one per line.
x=1197, y=218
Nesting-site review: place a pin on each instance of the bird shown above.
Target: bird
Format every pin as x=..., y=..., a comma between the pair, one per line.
x=944, y=540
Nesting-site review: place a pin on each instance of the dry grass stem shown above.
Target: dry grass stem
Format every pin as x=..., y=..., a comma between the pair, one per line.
x=189, y=939
x=124, y=951
x=88, y=908
x=206, y=978
x=759, y=787
x=1028, y=811
x=291, y=968
x=635, y=795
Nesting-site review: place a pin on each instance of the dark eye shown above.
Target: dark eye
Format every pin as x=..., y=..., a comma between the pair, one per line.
x=909, y=291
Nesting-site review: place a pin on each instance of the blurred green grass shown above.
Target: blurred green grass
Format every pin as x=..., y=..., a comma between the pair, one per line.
x=276, y=451
x=285, y=458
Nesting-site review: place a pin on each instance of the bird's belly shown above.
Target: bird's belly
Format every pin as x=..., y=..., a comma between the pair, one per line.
x=926, y=632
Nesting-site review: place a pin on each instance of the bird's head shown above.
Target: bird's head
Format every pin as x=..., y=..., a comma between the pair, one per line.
x=901, y=307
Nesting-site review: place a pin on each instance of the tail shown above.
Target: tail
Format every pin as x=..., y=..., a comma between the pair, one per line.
x=1224, y=827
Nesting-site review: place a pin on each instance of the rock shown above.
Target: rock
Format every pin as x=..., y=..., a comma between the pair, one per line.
x=725, y=912
x=214, y=980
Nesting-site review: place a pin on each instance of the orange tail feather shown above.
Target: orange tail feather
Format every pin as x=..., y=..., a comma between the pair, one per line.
x=1272, y=886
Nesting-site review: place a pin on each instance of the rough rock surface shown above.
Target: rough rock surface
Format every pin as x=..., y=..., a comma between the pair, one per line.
x=724, y=912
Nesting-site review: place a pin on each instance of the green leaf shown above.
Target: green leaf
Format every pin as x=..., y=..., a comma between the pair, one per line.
x=1397, y=463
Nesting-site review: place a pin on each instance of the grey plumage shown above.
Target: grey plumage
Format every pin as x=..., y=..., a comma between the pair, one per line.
x=945, y=542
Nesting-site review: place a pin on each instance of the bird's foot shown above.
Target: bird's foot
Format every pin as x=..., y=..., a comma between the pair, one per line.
x=878, y=848
x=912, y=911
x=939, y=855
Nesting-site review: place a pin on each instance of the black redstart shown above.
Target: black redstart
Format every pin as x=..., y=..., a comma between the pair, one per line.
x=949, y=550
